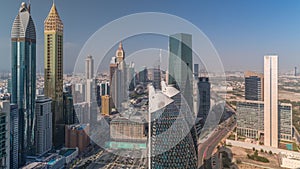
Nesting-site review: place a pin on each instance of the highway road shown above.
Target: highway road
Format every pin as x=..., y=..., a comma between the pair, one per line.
x=206, y=148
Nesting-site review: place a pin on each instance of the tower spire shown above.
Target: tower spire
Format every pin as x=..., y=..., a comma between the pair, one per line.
x=29, y=4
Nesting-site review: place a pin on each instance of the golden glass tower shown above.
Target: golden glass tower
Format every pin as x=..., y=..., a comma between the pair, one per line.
x=53, y=66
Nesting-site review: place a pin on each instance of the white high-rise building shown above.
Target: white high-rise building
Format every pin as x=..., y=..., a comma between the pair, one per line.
x=271, y=100
x=43, y=132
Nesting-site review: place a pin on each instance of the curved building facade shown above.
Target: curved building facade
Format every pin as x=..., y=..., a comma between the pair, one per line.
x=23, y=41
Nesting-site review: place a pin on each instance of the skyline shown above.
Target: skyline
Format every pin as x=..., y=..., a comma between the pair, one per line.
x=242, y=32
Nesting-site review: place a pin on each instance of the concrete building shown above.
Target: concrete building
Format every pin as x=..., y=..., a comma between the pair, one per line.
x=23, y=41
x=288, y=160
x=5, y=113
x=254, y=86
x=53, y=68
x=77, y=136
x=271, y=101
x=43, y=132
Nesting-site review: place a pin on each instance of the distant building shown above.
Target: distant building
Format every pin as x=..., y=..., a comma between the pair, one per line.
x=23, y=47
x=196, y=71
x=5, y=113
x=43, y=132
x=204, y=97
x=254, y=86
x=105, y=108
x=77, y=136
x=271, y=118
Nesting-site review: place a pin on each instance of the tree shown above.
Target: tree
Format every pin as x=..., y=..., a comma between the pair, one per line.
x=253, y=149
x=270, y=152
x=261, y=150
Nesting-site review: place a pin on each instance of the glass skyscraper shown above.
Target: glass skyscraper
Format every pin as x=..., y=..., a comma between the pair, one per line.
x=23, y=41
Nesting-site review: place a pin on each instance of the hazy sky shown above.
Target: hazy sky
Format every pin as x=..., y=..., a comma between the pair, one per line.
x=242, y=31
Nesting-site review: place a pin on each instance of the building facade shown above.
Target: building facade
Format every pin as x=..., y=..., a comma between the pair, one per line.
x=105, y=109
x=250, y=120
x=23, y=46
x=53, y=68
x=271, y=101
x=204, y=97
x=43, y=132
x=14, y=136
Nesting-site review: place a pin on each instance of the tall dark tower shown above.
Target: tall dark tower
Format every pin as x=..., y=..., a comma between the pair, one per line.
x=53, y=59
x=23, y=49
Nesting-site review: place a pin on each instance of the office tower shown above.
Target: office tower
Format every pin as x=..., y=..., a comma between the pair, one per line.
x=5, y=112
x=104, y=88
x=53, y=65
x=170, y=138
x=254, y=86
x=250, y=119
x=204, y=97
x=23, y=38
x=196, y=71
x=181, y=65
x=89, y=67
x=14, y=136
x=43, y=131
x=156, y=77
x=78, y=92
x=295, y=71
x=77, y=136
x=271, y=101
x=105, y=109
x=143, y=75
x=68, y=104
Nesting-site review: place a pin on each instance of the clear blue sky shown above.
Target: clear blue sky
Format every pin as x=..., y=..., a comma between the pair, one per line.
x=241, y=30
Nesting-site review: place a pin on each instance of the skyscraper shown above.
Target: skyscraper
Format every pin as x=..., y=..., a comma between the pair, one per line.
x=254, y=86
x=23, y=41
x=43, y=133
x=181, y=65
x=53, y=65
x=271, y=101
